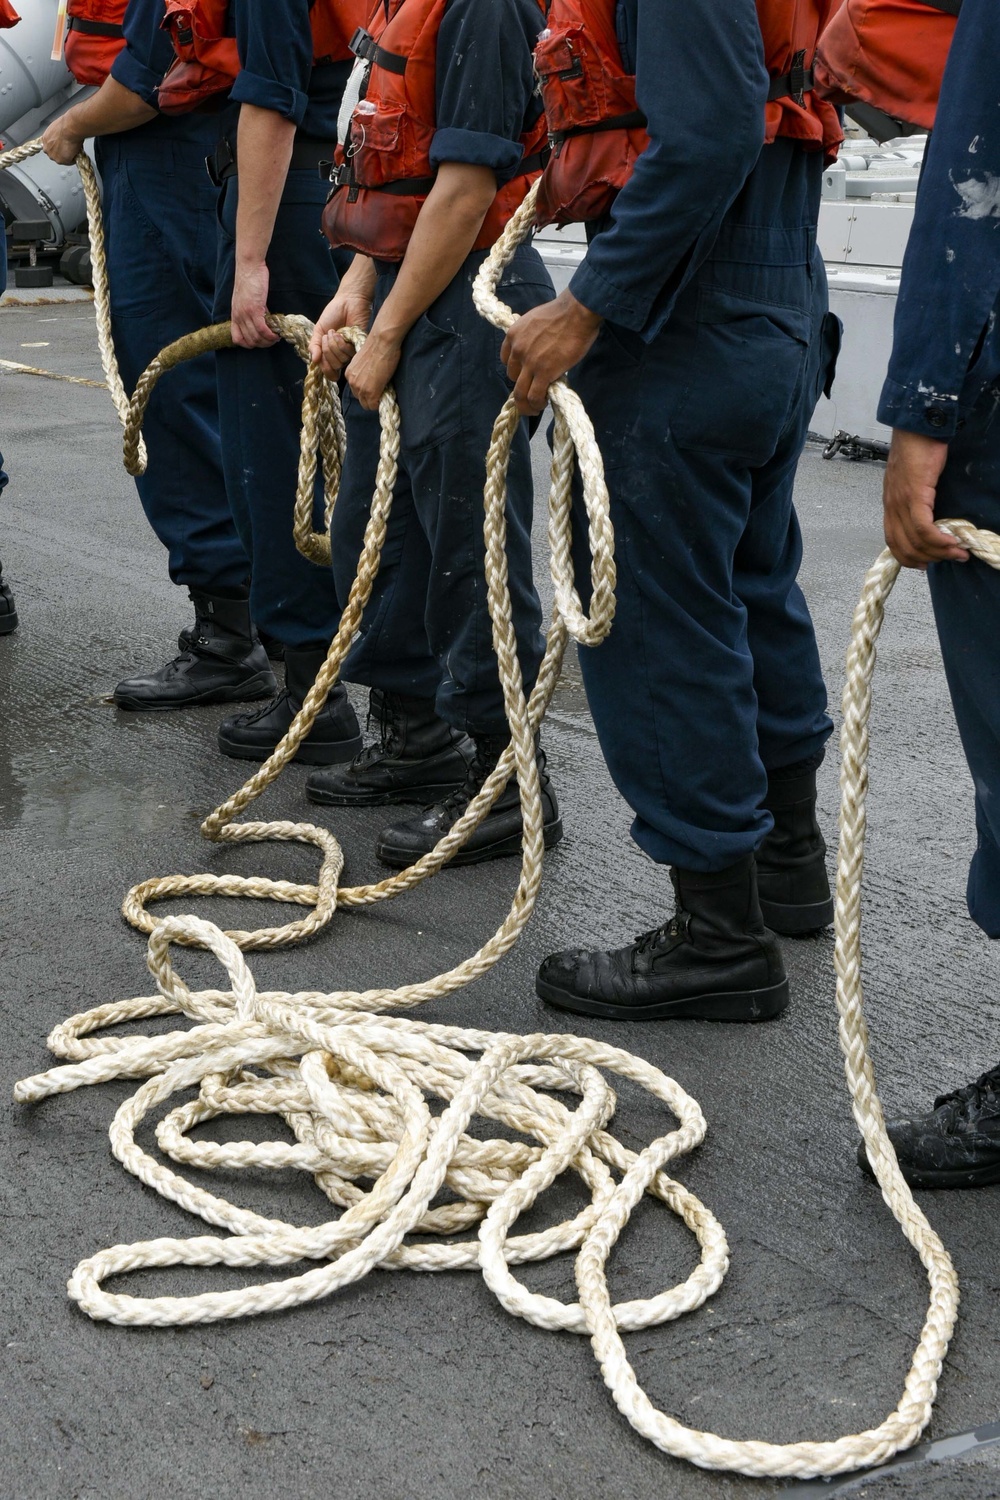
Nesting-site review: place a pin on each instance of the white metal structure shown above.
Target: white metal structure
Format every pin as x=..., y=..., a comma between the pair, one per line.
x=33, y=91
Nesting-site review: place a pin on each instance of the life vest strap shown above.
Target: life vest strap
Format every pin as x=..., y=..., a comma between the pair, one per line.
x=364, y=45
x=633, y=120
x=94, y=28
x=794, y=84
x=417, y=187
x=950, y=7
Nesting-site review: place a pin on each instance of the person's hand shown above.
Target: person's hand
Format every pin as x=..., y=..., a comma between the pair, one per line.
x=543, y=344
x=61, y=142
x=250, y=330
x=372, y=368
x=326, y=347
x=908, y=495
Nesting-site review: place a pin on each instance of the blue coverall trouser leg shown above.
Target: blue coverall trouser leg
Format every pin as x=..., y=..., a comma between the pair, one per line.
x=966, y=598
x=426, y=630
x=710, y=676
x=260, y=410
x=161, y=235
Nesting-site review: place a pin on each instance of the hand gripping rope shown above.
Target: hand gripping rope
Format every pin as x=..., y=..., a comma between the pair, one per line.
x=353, y=1084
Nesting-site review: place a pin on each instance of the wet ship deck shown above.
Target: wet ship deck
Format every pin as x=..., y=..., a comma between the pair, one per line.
x=424, y=1387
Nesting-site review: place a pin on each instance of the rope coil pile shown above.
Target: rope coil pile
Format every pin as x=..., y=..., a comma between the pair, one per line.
x=352, y=1084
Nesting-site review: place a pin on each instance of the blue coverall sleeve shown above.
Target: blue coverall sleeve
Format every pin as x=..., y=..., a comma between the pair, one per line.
x=274, y=40
x=147, y=53
x=951, y=270
x=702, y=85
x=485, y=82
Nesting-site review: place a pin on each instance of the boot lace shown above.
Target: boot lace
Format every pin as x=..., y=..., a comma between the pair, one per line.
x=676, y=927
x=384, y=726
x=975, y=1100
x=483, y=763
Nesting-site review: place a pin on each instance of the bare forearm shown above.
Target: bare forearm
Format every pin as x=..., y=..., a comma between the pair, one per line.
x=264, y=150
x=112, y=109
x=445, y=233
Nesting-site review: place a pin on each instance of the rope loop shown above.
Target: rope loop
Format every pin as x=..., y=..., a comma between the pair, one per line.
x=354, y=1086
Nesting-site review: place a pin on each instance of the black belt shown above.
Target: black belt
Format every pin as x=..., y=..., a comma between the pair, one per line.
x=307, y=153
x=94, y=28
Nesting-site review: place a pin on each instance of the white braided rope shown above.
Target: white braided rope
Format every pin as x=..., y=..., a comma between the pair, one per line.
x=99, y=266
x=352, y=1084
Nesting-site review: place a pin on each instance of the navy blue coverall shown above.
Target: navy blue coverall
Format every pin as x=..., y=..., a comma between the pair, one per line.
x=701, y=385
x=3, y=287
x=944, y=382
x=426, y=630
x=161, y=235
x=260, y=390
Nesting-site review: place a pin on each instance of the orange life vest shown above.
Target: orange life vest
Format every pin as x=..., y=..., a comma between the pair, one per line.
x=207, y=61
x=595, y=129
x=8, y=15
x=884, y=59
x=94, y=38
x=383, y=172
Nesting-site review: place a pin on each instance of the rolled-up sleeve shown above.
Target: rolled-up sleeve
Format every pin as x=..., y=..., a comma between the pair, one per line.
x=147, y=53
x=274, y=40
x=951, y=270
x=702, y=85
x=485, y=83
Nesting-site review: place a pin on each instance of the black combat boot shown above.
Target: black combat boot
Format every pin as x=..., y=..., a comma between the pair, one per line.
x=794, y=887
x=334, y=738
x=8, y=609
x=223, y=663
x=956, y=1144
x=713, y=961
x=417, y=757
x=499, y=833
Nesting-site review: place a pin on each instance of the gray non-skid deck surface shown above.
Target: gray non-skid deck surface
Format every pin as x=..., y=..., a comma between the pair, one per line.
x=409, y=1386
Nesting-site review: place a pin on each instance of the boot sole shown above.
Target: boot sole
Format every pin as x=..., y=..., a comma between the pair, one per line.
x=736, y=1005
x=797, y=921
x=307, y=755
x=421, y=796
x=8, y=625
x=401, y=859
x=244, y=692
x=928, y=1181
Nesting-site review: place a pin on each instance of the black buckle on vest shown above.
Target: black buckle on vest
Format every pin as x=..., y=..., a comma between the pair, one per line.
x=794, y=84
x=222, y=163
x=364, y=45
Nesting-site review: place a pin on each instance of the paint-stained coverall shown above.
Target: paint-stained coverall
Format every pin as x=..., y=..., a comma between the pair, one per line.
x=944, y=382
x=426, y=630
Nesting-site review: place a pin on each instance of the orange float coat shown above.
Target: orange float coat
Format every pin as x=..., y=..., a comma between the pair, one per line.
x=384, y=172
x=889, y=55
x=596, y=130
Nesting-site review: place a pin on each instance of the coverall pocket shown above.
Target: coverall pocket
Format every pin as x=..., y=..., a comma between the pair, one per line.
x=429, y=386
x=830, y=340
x=749, y=361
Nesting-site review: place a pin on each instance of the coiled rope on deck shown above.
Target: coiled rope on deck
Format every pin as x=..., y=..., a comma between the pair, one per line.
x=99, y=266
x=352, y=1084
